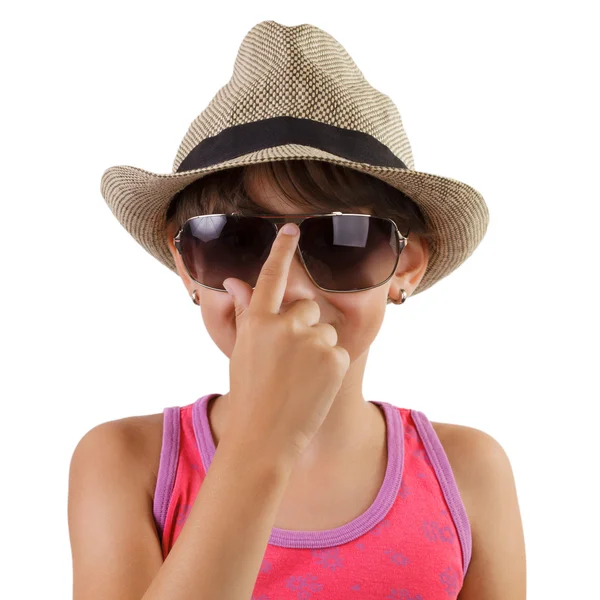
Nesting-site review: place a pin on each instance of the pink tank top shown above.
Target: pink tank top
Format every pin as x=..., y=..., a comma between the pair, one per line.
x=412, y=543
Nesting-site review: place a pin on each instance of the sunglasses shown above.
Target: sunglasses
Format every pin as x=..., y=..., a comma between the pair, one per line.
x=341, y=252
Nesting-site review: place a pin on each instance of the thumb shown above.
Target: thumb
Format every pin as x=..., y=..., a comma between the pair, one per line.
x=240, y=293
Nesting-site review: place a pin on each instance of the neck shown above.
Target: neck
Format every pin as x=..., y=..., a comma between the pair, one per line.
x=351, y=425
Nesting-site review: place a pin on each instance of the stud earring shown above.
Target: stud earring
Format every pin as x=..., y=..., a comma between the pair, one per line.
x=404, y=296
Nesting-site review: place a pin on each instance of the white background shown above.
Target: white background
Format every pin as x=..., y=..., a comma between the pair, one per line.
x=503, y=96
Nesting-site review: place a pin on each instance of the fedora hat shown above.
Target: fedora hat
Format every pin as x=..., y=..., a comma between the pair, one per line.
x=295, y=93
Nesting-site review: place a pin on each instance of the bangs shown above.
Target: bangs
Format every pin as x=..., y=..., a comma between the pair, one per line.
x=304, y=186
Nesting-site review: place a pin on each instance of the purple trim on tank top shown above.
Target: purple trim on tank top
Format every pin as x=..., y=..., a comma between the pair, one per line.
x=288, y=538
x=168, y=466
x=443, y=470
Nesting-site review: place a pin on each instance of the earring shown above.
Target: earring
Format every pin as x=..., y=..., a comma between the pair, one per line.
x=404, y=296
x=195, y=298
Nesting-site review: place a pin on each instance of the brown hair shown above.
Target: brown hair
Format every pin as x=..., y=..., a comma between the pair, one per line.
x=321, y=187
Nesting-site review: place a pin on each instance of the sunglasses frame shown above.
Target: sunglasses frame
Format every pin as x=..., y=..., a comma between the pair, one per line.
x=298, y=218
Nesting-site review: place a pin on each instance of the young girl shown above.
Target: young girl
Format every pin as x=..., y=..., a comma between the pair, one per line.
x=292, y=485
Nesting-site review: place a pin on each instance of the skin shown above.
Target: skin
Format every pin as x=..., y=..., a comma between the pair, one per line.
x=351, y=440
x=352, y=423
x=114, y=468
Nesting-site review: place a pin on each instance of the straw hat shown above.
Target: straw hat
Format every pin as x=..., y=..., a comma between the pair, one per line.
x=295, y=93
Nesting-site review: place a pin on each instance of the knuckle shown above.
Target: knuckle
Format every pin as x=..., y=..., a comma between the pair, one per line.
x=334, y=355
x=269, y=271
x=295, y=325
x=339, y=357
x=309, y=305
x=343, y=357
x=254, y=319
x=314, y=305
x=321, y=346
x=330, y=359
x=327, y=334
x=331, y=330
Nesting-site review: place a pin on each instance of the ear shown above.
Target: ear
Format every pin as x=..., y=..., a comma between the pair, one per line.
x=411, y=266
x=170, y=233
x=188, y=282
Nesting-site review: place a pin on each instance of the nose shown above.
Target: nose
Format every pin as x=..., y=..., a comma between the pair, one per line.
x=299, y=284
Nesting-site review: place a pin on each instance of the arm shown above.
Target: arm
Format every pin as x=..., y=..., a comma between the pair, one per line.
x=497, y=570
x=219, y=551
x=114, y=544
x=115, y=548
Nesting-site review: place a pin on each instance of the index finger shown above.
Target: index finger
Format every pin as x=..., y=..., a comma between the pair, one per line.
x=272, y=279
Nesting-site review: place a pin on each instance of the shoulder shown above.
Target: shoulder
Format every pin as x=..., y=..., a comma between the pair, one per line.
x=136, y=441
x=477, y=460
x=109, y=509
x=486, y=483
x=470, y=451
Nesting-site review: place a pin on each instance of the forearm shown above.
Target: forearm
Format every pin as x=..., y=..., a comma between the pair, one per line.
x=219, y=551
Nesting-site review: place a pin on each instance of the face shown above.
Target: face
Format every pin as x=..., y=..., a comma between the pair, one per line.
x=356, y=316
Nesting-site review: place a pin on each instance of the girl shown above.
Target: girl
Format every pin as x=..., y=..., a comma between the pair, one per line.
x=292, y=485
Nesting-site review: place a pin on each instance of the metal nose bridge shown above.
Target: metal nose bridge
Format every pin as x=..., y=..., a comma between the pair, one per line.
x=298, y=218
x=280, y=220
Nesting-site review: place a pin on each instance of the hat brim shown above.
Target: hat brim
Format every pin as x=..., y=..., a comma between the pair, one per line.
x=456, y=211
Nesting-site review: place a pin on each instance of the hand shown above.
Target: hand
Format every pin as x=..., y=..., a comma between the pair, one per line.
x=285, y=369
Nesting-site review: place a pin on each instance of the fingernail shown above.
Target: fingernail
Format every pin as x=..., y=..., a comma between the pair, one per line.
x=290, y=229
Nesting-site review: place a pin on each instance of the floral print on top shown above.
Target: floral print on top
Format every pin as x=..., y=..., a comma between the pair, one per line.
x=412, y=543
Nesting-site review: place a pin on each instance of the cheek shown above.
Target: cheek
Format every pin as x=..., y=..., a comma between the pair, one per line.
x=219, y=319
x=360, y=317
x=357, y=319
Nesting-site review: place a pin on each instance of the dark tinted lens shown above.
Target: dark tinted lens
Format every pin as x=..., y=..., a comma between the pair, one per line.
x=349, y=252
x=221, y=246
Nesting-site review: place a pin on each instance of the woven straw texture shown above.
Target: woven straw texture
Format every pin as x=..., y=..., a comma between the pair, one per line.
x=301, y=71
